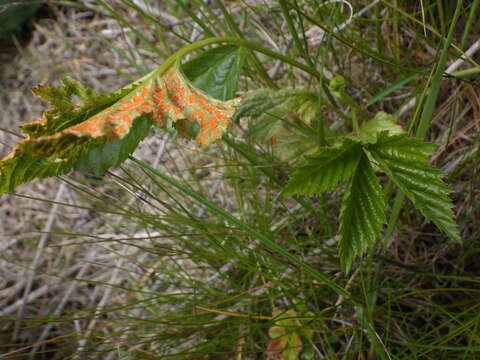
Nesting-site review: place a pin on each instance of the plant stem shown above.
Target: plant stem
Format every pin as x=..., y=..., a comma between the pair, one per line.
x=237, y=41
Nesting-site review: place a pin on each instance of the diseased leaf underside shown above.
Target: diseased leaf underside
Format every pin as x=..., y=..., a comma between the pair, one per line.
x=93, y=136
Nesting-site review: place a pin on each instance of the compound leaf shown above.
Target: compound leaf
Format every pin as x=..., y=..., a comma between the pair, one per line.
x=325, y=170
x=362, y=213
x=403, y=160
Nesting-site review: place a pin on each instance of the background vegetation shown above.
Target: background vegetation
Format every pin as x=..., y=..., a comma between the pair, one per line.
x=131, y=266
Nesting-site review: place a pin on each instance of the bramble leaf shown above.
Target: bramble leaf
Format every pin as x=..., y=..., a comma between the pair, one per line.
x=403, y=160
x=273, y=109
x=325, y=170
x=286, y=336
x=362, y=213
x=264, y=103
x=97, y=133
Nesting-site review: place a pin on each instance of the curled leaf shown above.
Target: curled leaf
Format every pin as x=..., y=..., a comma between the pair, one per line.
x=97, y=133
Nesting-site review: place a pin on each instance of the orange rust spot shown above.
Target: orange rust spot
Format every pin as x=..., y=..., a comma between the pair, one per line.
x=127, y=106
x=199, y=113
x=126, y=119
x=209, y=108
x=158, y=98
x=144, y=91
x=160, y=117
x=121, y=130
x=137, y=99
x=200, y=97
x=158, y=92
x=220, y=115
x=191, y=100
x=91, y=126
x=146, y=109
x=213, y=123
x=109, y=119
x=203, y=125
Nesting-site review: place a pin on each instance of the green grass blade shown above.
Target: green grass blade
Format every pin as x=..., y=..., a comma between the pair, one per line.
x=429, y=105
x=267, y=242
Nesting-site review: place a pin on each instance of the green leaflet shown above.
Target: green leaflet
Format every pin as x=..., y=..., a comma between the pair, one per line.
x=362, y=214
x=216, y=71
x=24, y=167
x=402, y=159
x=403, y=147
x=325, y=170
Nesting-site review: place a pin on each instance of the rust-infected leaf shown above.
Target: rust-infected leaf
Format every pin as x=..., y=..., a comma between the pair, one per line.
x=69, y=134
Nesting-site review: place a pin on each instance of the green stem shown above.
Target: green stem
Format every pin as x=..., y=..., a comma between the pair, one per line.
x=237, y=41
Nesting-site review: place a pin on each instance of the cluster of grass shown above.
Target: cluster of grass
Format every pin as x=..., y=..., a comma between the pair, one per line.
x=197, y=255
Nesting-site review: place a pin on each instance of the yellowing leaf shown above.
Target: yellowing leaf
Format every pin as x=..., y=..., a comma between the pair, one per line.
x=382, y=122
